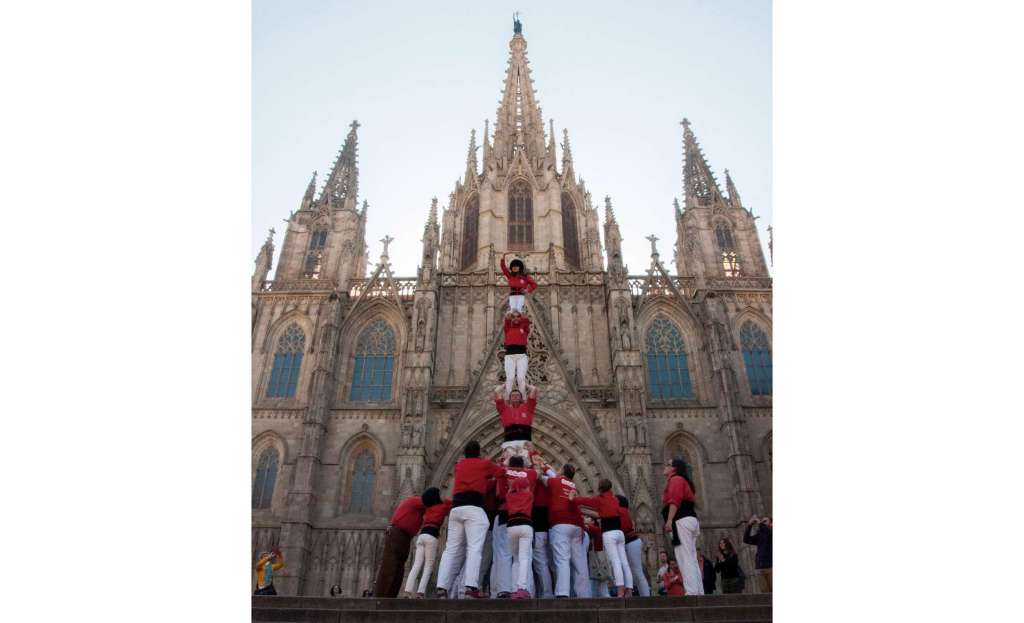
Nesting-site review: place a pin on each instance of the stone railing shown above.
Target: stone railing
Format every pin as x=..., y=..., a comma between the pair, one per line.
x=659, y=286
x=740, y=283
x=443, y=395
x=604, y=394
x=406, y=288
x=300, y=285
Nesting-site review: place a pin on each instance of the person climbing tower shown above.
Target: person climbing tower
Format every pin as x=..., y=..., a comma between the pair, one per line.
x=519, y=283
x=517, y=332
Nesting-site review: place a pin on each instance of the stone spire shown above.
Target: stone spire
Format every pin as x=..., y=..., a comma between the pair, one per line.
x=675, y=204
x=471, y=164
x=566, y=153
x=734, y=197
x=613, y=240
x=310, y=196
x=342, y=186
x=431, y=245
x=519, y=126
x=699, y=182
x=551, y=141
x=264, y=262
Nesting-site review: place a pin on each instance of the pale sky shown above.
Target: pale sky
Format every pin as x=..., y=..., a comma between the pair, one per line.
x=418, y=76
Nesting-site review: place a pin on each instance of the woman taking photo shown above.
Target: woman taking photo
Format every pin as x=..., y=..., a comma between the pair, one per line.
x=728, y=565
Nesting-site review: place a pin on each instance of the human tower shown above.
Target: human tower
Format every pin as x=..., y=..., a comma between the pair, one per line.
x=520, y=524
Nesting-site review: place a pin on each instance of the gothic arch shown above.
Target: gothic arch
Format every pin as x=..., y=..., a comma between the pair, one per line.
x=353, y=327
x=515, y=238
x=297, y=316
x=269, y=439
x=695, y=452
x=690, y=330
x=303, y=322
x=352, y=450
x=755, y=315
x=556, y=442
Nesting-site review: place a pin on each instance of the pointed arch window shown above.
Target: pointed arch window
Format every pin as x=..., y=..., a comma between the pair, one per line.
x=727, y=247
x=470, y=225
x=374, y=364
x=668, y=371
x=520, y=216
x=319, y=239
x=284, y=376
x=266, y=475
x=364, y=476
x=570, y=237
x=757, y=358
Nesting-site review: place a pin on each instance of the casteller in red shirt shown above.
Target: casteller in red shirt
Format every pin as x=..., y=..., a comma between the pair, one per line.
x=607, y=507
x=408, y=516
x=471, y=475
x=434, y=517
x=518, y=282
x=517, y=331
x=517, y=417
x=561, y=509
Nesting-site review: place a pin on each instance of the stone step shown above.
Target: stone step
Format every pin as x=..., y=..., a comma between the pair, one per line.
x=732, y=614
x=350, y=603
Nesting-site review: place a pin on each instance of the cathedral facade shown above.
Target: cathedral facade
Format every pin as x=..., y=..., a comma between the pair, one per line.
x=365, y=389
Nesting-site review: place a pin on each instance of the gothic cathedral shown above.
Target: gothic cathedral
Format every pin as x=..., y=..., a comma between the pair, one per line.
x=365, y=389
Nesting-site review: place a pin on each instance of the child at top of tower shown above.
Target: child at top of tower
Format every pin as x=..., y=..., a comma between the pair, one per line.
x=517, y=332
x=519, y=283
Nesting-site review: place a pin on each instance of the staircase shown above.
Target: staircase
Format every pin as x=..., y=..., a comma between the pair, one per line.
x=740, y=608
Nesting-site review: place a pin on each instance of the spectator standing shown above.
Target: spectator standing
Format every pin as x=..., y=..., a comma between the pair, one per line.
x=662, y=568
x=708, y=570
x=763, y=559
x=268, y=563
x=673, y=580
x=729, y=566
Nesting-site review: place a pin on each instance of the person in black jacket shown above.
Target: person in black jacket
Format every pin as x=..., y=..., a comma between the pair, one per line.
x=708, y=572
x=729, y=566
x=763, y=559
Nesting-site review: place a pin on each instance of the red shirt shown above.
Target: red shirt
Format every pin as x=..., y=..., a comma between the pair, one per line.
x=677, y=491
x=518, y=281
x=674, y=583
x=516, y=332
x=434, y=516
x=518, y=484
x=560, y=508
x=409, y=515
x=521, y=415
x=606, y=504
x=471, y=474
x=626, y=521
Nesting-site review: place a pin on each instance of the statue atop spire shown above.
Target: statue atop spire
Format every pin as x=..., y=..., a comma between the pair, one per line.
x=517, y=26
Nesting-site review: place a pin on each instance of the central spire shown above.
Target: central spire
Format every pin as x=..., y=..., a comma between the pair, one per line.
x=519, y=127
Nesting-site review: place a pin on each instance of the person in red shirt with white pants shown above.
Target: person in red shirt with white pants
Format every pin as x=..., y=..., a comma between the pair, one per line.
x=467, y=521
x=678, y=508
x=517, y=420
x=517, y=332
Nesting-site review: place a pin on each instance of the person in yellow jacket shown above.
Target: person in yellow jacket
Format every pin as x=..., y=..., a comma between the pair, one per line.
x=268, y=563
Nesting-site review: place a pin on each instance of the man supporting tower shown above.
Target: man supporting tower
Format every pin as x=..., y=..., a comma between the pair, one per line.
x=517, y=420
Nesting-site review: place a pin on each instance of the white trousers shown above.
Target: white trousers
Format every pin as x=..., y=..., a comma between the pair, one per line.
x=516, y=302
x=635, y=555
x=580, y=569
x=541, y=564
x=426, y=552
x=467, y=529
x=688, y=529
x=614, y=542
x=501, y=560
x=515, y=368
x=562, y=537
x=520, y=543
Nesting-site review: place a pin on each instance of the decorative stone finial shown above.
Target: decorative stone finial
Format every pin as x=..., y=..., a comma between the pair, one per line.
x=386, y=240
x=654, y=249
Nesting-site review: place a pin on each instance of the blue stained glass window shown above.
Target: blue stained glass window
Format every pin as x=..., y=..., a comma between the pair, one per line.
x=284, y=376
x=374, y=364
x=757, y=357
x=266, y=474
x=668, y=371
x=364, y=476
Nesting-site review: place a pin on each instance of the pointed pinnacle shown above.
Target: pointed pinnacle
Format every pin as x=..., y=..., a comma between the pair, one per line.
x=675, y=203
x=432, y=220
x=566, y=148
x=609, y=213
